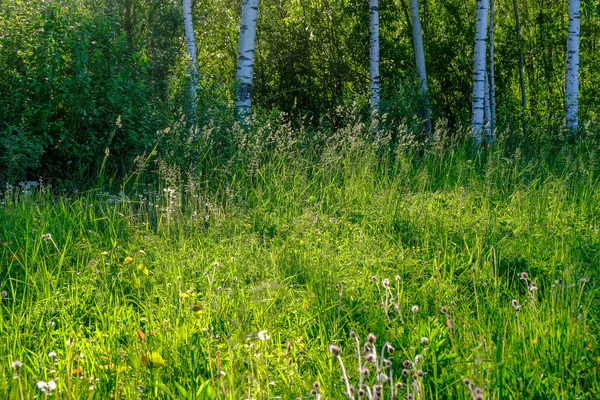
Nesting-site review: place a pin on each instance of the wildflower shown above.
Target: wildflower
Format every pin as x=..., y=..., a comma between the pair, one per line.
x=70, y=342
x=4, y=294
x=524, y=276
x=334, y=350
x=374, y=279
x=414, y=309
x=47, y=237
x=418, y=359
x=397, y=278
x=533, y=287
x=424, y=340
x=128, y=260
x=353, y=335
x=316, y=385
x=420, y=373
x=390, y=348
x=443, y=310
x=46, y=387
x=382, y=378
x=17, y=365
x=407, y=363
x=263, y=335
x=371, y=338
x=515, y=305
x=405, y=372
x=386, y=283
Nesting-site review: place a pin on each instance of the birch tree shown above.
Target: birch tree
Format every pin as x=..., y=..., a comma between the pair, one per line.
x=479, y=70
x=374, y=55
x=420, y=58
x=245, y=67
x=190, y=42
x=492, y=81
x=521, y=70
x=572, y=79
x=487, y=110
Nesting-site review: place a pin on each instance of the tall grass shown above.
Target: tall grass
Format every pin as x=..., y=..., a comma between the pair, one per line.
x=232, y=281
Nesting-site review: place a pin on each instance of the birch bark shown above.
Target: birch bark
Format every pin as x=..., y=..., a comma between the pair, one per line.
x=479, y=70
x=420, y=58
x=572, y=81
x=374, y=55
x=245, y=67
x=190, y=42
x=492, y=70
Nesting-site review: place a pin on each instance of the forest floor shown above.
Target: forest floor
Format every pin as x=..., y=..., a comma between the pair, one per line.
x=480, y=267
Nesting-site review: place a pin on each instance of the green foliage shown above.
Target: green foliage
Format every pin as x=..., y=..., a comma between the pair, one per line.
x=255, y=265
x=72, y=85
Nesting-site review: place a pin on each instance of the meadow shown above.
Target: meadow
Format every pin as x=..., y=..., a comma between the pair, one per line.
x=475, y=272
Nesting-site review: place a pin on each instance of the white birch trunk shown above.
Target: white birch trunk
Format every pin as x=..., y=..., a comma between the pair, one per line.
x=245, y=67
x=374, y=55
x=572, y=84
x=487, y=110
x=492, y=70
x=190, y=42
x=420, y=57
x=479, y=70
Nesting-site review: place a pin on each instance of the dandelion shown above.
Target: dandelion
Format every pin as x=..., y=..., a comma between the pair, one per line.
x=263, y=335
x=424, y=340
x=386, y=283
x=523, y=275
x=418, y=359
x=374, y=279
x=4, y=294
x=414, y=309
x=443, y=310
x=17, y=365
x=515, y=305
x=47, y=387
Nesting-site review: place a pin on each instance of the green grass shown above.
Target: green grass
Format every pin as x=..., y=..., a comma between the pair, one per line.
x=290, y=244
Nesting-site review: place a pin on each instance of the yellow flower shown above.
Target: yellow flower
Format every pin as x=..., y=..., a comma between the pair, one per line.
x=142, y=268
x=128, y=260
x=535, y=341
x=184, y=295
x=153, y=360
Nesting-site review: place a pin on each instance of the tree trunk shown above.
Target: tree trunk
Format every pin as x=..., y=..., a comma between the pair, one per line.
x=420, y=59
x=572, y=81
x=521, y=70
x=487, y=111
x=190, y=41
x=245, y=67
x=374, y=55
x=479, y=70
x=492, y=70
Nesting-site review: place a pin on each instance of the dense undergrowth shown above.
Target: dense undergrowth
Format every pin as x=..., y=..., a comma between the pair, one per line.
x=232, y=280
